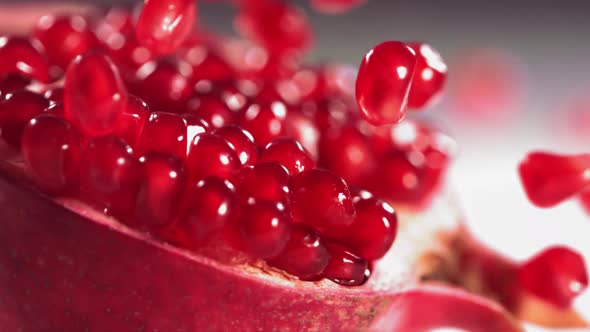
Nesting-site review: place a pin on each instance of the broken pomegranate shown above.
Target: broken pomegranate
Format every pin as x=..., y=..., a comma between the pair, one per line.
x=182, y=192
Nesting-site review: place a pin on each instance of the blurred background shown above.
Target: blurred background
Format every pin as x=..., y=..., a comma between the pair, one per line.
x=519, y=80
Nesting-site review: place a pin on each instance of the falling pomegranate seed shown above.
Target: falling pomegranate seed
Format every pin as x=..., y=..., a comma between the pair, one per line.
x=264, y=122
x=16, y=111
x=161, y=185
x=346, y=268
x=304, y=256
x=335, y=7
x=288, y=153
x=321, y=200
x=212, y=155
x=169, y=133
x=242, y=142
x=209, y=207
x=165, y=84
x=429, y=77
x=132, y=121
x=346, y=151
x=382, y=95
x=64, y=38
x=280, y=27
x=263, y=228
x=23, y=56
x=373, y=230
x=264, y=181
x=51, y=151
x=94, y=95
x=109, y=176
x=164, y=25
x=556, y=275
x=548, y=179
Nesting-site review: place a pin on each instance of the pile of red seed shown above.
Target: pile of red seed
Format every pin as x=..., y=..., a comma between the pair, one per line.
x=207, y=140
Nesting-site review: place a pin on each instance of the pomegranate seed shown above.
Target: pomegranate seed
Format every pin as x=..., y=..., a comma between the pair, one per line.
x=109, y=176
x=302, y=129
x=556, y=275
x=212, y=109
x=382, y=95
x=160, y=190
x=263, y=228
x=288, y=153
x=12, y=83
x=208, y=208
x=64, y=38
x=241, y=141
x=212, y=155
x=429, y=77
x=373, y=230
x=264, y=122
x=264, y=181
x=130, y=127
x=548, y=179
x=55, y=94
x=278, y=26
x=331, y=113
x=23, y=56
x=56, y=109
x=305, y=255
x=346, y=268
x=335, y=6
x=164, y=84
x=165, y=24
x=321, y=200
x=94, y=95
x=208, y=64
x=16, y=111
x=169, y=133
x=346, y=151
x=51, y=151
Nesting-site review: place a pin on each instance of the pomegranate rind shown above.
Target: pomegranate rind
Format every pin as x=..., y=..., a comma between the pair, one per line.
x=73, y=271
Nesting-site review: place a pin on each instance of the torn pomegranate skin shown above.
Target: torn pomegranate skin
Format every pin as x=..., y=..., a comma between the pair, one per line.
x=164, y=25
x=556, y=275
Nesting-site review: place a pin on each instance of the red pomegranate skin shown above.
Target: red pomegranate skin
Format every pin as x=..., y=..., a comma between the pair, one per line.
x=62, y=271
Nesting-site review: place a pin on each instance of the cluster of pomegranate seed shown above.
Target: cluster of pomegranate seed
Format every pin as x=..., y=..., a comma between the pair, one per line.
x=174, y=133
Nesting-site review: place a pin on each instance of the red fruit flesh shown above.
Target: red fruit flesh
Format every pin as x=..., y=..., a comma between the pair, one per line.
x=16, y=111
x=382, y=95
x=288, y=153
x=94, y=95
x=548, y=179
x=164, y=24
x=161, y=185
x=175, y=284
x=304, y=256
x=132, y=121
x=264, y=181
x=262, y=227
x=207, y=210
x=556, y=275
x=241, y=141
x=346, y=152
x=211, y=155
x=429, y=77
x=23, y=56
x=51, y=151
x=64, y=38
x=321, y=200
x=109, y=175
